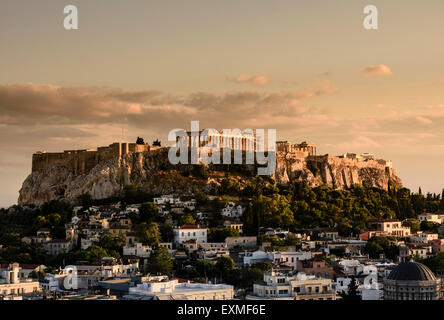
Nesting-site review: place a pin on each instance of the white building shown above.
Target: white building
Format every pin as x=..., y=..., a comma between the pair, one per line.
x=423, y=237
x=166, y=199
x=350, y=267
x=133, y=208
x=213, y=246
x=173, y=290
x=138, y=250
x=53, y=282
x=409, y=250
x=251, y=258
x=280, y=286
x=391, y=227
x=368, y=286
x=57, y=246
x=232, y=211
x=190, y=232
x=250, y=241
x=431, y=217
x=11, y=285
x=289, y=258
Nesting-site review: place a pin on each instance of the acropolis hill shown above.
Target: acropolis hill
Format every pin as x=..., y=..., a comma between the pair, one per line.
x=103, y=172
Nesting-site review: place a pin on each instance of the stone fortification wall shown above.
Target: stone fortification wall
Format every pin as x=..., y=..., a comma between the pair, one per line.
x=82, y=161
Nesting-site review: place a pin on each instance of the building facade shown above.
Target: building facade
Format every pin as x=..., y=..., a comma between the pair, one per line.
x=412, y=281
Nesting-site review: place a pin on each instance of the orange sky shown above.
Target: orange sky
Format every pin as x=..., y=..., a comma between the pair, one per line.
x=306, y=68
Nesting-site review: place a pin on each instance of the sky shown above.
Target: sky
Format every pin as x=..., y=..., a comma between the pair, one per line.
x=308, y=69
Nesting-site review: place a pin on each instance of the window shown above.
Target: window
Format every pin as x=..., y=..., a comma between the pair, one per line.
x=283, y=291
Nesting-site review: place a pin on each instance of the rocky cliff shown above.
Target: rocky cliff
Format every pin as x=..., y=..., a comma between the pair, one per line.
x=152, y=171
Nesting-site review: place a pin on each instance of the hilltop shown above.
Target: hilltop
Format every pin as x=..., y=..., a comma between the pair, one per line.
x=67, y=177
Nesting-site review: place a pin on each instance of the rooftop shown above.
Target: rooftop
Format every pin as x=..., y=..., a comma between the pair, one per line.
x=190, y=226
x=412, y=271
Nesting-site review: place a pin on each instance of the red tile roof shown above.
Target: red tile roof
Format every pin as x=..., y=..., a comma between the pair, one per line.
x=190, y=226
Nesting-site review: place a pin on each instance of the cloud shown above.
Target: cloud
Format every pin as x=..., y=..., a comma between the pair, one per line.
x=358, y=142
x=423, y=120
x=259, y=80
x=377, y=70
x=31, y=104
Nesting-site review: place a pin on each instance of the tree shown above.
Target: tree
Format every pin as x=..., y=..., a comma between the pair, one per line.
x=377, y=245
x=156, y=143
x=135, y=194
x=430, y=226
x=39, y=275
x=353, y=290
x=186, y=219
x=206, y=268
x=108, y=242
x=436, y=263
x=200, y=171
x=10, y=239
x=148, y=233
x=94, y=254
x=224, y=265
x=201, y=198
x=220, y=235
x=413, y=224
x=54, y=219
x=39, y=222
x=160, y=262
x=352, y=293
x=85, y=199
x=149, y=212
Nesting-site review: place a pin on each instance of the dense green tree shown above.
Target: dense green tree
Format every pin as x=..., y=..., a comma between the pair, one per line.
x=110, y=242
x=149, y=212
x=148, y=233
x=436, y=263
x=135, y=194
x=224, y=266
x=430, y=226
x=378, y=245
x=219, y=235
x=160, y=262
x=94, y=254
x=413, y=224
x=38, y=275
x=186, y=219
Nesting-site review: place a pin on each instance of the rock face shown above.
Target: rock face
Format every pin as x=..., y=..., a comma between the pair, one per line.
x=152, y=171
x=338, y=173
